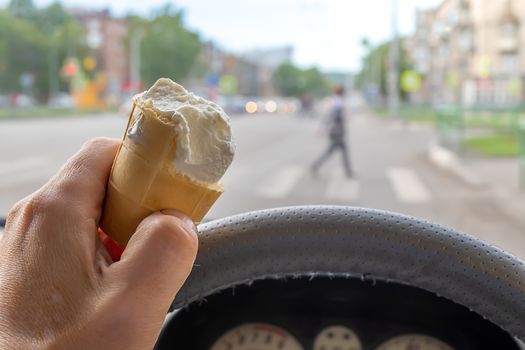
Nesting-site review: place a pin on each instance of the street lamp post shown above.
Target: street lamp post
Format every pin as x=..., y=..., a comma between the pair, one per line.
x=393, y=67
x=373, y=69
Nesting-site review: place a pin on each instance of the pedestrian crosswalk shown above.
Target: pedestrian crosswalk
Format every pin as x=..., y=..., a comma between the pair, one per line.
x=287, y=181
x=341, y=188
x=282, y=182
x=407, y=185
x=293, y=180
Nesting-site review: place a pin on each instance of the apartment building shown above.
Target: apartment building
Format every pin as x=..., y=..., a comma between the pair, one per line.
x=471, y=52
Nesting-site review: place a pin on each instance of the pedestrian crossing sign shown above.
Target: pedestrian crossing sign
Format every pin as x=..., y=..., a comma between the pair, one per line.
x=410, y=81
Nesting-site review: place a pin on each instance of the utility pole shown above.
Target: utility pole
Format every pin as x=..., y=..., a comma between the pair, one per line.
x=52, y=62
x=134, y=59
x=53, y=66
x=393, y=66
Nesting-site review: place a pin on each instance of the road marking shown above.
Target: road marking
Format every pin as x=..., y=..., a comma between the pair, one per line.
x=342, y=188
x=407, y=185
x=282, y=182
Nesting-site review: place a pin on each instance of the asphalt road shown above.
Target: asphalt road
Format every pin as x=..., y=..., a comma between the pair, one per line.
x=271, y=168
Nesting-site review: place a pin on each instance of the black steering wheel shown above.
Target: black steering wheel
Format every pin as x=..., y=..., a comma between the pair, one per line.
x=354, y=242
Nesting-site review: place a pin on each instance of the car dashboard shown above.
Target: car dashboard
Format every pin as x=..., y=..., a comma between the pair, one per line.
x=333, y=313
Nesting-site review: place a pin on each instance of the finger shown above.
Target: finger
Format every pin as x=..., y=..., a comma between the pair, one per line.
x=82, y=180
x=158, y=258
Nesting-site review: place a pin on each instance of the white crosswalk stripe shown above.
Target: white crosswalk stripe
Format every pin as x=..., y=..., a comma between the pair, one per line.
x=281, y=183
x=340, y=188
x=407, y=185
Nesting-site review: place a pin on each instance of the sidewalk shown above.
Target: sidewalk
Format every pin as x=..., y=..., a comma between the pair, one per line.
x=500, y=177
x=471, y=194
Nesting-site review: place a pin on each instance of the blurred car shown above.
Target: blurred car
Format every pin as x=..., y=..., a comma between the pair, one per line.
x=22, y=101
x=61, y=101
x=232, y=104
x=4, y=101
x=282, y=105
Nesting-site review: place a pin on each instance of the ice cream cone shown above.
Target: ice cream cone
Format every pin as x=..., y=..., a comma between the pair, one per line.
x=143, y=180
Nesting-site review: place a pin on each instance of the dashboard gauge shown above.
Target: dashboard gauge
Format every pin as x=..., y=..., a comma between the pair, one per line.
x=337, y=338
x=256, y=336
x=414, y=342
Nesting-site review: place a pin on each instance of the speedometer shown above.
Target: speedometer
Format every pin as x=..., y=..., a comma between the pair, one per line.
x=414, y=342
x=256, y=336
x=337, y=337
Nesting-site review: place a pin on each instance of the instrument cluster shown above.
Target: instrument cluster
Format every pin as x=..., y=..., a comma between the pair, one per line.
x=261, y=336
x=329, y=314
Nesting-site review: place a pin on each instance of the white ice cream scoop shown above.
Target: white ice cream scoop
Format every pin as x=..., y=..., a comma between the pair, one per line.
x=176, y=148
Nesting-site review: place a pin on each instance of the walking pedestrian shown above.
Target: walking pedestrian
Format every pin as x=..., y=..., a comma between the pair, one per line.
x=337, y=134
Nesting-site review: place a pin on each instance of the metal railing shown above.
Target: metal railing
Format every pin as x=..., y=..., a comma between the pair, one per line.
x=521, y=152
x=456, y=126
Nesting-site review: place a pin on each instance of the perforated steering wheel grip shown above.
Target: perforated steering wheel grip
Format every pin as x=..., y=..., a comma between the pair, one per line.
x=345, y=241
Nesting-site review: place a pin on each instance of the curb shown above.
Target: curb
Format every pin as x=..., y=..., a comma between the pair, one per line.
x=448, y=161
x=513, y=205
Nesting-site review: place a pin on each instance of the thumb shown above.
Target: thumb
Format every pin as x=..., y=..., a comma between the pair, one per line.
x=158, y=257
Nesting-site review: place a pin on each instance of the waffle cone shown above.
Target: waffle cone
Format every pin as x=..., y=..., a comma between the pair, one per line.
x=143, y=180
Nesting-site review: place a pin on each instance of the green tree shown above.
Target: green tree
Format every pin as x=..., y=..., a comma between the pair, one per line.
x=374, y=68
x=168, y=49
x=288, y=80
x=36, y=42
x=54, y=15
x=293, y=81
x=315, y=82
x=22, y=8
x=65, y=40
x=24, y=47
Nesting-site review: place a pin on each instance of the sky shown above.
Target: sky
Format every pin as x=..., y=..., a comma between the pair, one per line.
x=324, y=33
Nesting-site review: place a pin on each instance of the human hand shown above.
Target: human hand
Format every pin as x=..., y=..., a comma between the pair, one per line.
x=59, y=289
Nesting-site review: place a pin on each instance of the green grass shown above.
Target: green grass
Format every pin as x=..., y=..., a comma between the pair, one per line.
x=456, y=118
x=499, y=145
x=418, y=114
x=43, y=112
x=492, y=120
x=421, y=114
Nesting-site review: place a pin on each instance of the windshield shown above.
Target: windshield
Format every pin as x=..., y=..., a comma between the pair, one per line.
x=413, y=106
